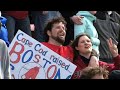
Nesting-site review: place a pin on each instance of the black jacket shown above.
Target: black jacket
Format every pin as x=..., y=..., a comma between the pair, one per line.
x=70, y=25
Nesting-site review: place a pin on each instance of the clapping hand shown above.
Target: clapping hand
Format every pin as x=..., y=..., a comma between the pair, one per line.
x=113, y=48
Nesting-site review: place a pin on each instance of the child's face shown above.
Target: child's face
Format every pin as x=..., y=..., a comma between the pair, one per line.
x=98, y=76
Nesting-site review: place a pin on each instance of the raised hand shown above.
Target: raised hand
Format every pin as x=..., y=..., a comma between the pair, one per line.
x=113, y=48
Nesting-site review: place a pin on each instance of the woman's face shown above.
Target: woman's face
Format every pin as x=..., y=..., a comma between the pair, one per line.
x=93, y=12
x=84, y=45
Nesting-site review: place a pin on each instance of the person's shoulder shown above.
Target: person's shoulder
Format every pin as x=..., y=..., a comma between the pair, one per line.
x=67, y=46
x=43, y=42
x=50, y=45
x=2, y=42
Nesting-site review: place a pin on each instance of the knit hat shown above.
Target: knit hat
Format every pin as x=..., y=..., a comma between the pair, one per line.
x=115, y=74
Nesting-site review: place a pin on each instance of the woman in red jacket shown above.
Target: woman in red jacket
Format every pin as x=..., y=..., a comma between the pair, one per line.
x=82, y=47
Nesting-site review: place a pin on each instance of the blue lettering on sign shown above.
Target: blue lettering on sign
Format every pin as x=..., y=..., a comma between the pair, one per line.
x=57, y=74
x=69, y=77
x=12, y=67
x=37, y=47
x=59, y=62
x=40, y=50
x=18, y=36
x=24, y=40
x=46, y=62
x=29, y=57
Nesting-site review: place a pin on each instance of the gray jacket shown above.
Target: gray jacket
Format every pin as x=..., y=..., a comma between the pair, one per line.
x=107, y=28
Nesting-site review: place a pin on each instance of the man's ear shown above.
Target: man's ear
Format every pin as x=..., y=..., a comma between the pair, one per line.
x=49, y=33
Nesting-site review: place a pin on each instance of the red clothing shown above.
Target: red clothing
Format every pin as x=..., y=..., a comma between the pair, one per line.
x=64, y=51
x=81, y=65
x=17, y=14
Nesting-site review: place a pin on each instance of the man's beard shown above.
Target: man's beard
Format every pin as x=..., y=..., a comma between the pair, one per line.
x=59, y=39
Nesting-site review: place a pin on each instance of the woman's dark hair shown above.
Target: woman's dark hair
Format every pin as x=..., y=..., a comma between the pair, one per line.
x=75, y=44
x=50, y=24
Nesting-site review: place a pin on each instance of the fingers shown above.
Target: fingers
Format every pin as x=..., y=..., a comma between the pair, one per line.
x=81, y=17
x=113, y=48
x=110, y=43
x=110, y=40
x=77, y=19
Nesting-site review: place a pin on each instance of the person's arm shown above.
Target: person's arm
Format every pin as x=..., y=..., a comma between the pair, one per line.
x=6, y=62
x=116, y=57
x=76, y=19
x=113, y=48
x=71, y=16
x=94, y=62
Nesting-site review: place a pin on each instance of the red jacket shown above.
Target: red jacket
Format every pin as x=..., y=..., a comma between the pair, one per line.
x=81, y=65
x=17, y=14
x=64, y=51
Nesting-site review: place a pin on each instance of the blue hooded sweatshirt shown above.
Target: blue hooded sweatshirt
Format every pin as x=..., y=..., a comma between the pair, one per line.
x=88, y=28
x=3, y=30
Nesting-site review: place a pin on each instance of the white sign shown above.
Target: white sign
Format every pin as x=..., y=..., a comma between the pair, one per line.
x=32, y=60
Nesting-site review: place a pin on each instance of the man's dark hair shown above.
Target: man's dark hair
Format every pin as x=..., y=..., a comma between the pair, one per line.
x=50, y=24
